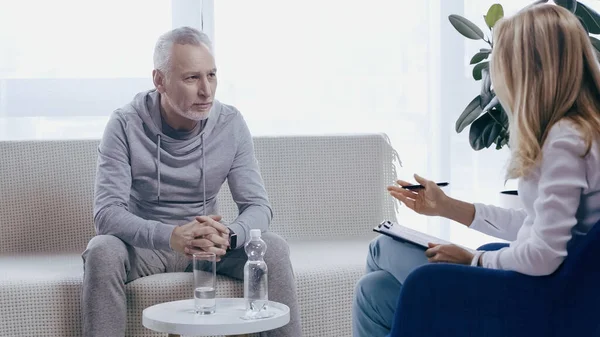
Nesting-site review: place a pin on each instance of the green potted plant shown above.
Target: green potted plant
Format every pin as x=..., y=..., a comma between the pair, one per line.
x=484, y=115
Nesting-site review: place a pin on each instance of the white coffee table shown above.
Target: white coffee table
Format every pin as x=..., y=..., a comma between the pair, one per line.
x=179, y=318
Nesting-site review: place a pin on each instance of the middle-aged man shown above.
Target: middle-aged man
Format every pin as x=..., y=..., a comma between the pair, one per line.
x=161, y=162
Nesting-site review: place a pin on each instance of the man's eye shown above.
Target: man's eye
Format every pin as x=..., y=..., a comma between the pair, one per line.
x=212, y=75
x=192, y=78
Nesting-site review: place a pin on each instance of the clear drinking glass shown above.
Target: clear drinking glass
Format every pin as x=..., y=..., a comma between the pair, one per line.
x=205, y=282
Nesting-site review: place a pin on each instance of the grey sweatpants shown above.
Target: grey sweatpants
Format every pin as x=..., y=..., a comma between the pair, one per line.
x=109, y=264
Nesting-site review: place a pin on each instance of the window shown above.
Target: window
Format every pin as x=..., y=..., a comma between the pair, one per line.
x=310, y=67
x=67, y=64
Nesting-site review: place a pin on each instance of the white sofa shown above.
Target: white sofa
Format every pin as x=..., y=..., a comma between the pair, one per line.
x=327, y=193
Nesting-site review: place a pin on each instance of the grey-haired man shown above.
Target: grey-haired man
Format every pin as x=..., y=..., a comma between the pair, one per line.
x=161, y=162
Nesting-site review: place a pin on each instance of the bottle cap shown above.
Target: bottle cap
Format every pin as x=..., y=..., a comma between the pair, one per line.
x=255, y=233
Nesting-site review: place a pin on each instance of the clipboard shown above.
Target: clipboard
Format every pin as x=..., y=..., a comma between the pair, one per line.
x=403, y=233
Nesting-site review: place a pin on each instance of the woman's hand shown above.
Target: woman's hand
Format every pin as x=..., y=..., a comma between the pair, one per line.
x=427, y=201
x=448, y=253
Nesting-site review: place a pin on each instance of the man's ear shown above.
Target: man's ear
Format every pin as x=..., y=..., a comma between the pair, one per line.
x=159, y=80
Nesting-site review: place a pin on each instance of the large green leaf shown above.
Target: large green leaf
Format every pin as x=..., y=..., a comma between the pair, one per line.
x=587, y=31
x=484, y=130
x=568, y=4
x=467, y=28
x=494, y=103
x=476, y=131
x=590, y=17
x=482, y=55
x=470, y=114
x=501, y=140
x=478, y=68
x=492, y=131
x=495, y=13
x=486, y=93
x=595, y=43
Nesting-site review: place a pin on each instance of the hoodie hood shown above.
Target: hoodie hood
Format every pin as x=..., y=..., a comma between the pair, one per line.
x=147, y=105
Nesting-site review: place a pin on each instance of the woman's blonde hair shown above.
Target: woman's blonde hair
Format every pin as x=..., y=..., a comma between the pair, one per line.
x=544, y=69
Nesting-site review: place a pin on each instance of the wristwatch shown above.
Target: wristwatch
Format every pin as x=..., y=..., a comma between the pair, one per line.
x=232, y=240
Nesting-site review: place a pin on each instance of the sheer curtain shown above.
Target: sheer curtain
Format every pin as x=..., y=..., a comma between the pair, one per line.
x=312, y=67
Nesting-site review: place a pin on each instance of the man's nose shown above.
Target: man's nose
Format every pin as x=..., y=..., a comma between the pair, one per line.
x=204, y=88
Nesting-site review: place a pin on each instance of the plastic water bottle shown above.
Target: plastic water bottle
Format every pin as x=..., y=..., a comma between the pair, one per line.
x=256, y=291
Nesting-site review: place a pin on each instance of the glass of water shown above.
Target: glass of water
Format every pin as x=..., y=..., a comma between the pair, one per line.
x=205, y=282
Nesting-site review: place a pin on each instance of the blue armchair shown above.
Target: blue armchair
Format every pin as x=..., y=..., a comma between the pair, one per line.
x=460, y=301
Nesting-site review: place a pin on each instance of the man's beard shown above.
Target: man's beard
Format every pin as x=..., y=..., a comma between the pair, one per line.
x=193, y=115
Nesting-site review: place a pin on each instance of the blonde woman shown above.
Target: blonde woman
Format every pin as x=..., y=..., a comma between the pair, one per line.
x=545, y=73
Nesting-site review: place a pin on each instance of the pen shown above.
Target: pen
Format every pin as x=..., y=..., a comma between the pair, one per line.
x=418, y=187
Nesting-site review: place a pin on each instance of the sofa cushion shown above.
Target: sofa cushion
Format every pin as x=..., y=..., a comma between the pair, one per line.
x=40, y=295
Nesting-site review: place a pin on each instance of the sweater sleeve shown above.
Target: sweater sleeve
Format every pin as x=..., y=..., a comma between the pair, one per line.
x=112, y=193
x=561, y=181
x=247, y=189
x=497, y=221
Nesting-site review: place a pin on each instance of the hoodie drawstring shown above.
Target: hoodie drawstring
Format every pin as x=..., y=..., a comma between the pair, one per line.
x=203, y=176
x=158, y=166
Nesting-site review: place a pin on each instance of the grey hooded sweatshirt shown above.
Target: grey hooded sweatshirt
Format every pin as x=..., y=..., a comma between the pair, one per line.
x=148, y=182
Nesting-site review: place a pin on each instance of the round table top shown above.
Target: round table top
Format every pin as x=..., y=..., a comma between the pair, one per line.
x=179, y=317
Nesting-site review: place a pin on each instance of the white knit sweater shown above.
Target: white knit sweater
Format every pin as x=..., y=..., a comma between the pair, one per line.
x=561, y=200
